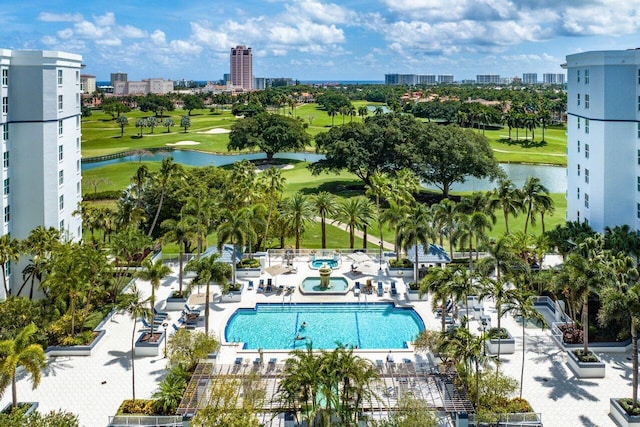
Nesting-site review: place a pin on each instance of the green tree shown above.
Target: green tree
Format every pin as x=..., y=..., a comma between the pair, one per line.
x=416, y=229
x=170, y=392
x=192, y=102
x=9, y=252
x=141, y=123
x=179, y=232
x=152, y=122
x=270, y=133
x=168, y=123
x=350, y=213
x=508, y=198
x=273, y=184
x=20, y=352
x=153, y=272
x=185, y=123
x=187, y=348
x=122, y=122
x=297, y=212
x=325, y=205
x=168, y=169
x=210, y=270
x=535, y=197
x=235, y=229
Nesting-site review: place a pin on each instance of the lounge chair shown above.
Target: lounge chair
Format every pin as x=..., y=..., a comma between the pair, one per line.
x=356, y=289
x=238, y=361
x=188, y=309
x=250, y=285
x=269, y=282
x=380, y=289
x=157, y=313
x=260, y=286
x=148, y=325
x=394, y=290
x=269, y=287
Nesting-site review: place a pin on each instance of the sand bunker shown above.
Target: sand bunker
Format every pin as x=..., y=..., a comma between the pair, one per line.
x=217, y=130
x=184, y=143
x=260, y=168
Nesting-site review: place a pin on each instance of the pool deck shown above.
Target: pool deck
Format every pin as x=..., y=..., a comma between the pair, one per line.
x=94, y=386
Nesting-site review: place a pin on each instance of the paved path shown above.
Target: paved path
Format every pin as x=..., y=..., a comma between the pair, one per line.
x=370, y=238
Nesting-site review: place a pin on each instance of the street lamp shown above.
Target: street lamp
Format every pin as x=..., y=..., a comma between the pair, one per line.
x=380, y=244
x=165, y=325
x=484, y=329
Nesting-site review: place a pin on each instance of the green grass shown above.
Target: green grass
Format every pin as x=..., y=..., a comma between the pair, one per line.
x=552, y=151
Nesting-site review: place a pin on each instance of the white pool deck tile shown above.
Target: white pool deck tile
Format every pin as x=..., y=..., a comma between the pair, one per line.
x=94, y=386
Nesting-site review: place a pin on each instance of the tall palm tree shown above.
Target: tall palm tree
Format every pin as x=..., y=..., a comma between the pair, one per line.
x=325, y=205
x=438, y=281
x=534, y=196
x=136, y=306
x=167, y=170
x=368, y=215
x=9, y=252
x=153, y=272
x=414, y=230
x=179, y=232
x=198, y=212
x=39, y=244
x=235, y=229
x=522, y=306
x=210, y=270
x=332, y=111
x=297, y=212
x=393, y=216
x=350, y=213
x=444, y=216
x=622, y=303
x=20, y=352
x=300, y=382
x=508, y=198
x=273, y=184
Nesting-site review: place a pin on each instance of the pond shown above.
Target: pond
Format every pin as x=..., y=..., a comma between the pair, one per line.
x=553, y=177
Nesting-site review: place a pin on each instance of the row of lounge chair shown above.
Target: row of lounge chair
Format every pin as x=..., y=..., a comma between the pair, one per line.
x=357, y=289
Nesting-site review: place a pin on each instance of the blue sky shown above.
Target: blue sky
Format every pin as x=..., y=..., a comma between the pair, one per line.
x=316, y=40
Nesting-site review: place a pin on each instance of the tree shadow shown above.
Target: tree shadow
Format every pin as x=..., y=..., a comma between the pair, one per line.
x=561, y=385
x=57, y=363
x=122, y=358
x=619, y=365
x=586, y=421
x=340, y=188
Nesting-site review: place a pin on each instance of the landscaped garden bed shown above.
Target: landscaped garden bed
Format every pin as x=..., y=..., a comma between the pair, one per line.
x=402, y=267
x=502, y=338
x=585, y=366
x=620, y=410
x=149, y=345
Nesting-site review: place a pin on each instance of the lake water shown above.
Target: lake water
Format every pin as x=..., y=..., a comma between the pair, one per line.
x=553, y=177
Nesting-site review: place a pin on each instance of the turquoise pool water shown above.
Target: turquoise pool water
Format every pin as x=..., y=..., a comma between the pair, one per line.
x=370, y=326
x=312, y=284
x=332, y=263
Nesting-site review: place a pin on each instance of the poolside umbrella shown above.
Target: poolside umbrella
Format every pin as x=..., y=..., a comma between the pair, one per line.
x=196, y=299
x=359, y=257
x=277, y=270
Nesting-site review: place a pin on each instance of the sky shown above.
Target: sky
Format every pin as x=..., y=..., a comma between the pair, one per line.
x=316, y=40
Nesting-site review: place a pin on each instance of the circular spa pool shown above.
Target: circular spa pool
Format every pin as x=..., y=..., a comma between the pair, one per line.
x=367, y=326
x=331, y=263
x=311, y=285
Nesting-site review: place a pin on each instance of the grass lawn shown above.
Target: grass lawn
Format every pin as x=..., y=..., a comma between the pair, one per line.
x=552, y=151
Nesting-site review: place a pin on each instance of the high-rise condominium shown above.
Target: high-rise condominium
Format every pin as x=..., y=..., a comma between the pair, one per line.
x=603, y=138
x=40, y=144
x=241, y=60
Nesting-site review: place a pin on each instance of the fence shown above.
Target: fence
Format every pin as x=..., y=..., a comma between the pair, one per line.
x=508, y=420
x=140, y=420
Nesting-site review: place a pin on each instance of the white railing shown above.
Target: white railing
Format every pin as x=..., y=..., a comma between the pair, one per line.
x=507, y=420
x=142, y=420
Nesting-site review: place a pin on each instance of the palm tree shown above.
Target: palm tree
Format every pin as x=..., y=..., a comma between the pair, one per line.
x=179, y=232
x=122, y=122
x=153, y=272
x=168, y=123
x=325, y=205
x=235, y=229
x=210, y=269
x=20, y=352
x=444, y=216
x=622, y=303
x=508, y=198
x=198, y=211
x=139, y=180
x=300, y=382
x=273, y=183
x=350, y=213
x=522, y=305
x=368, y=215
x=393, y=216
x=332, y=111
x=438, y=282
x=39, y=243
x=9, y=252
x=133, y=303
x=297, y=211
x=416, y=229
x=378, y=187
x=167, y=170
x=534, y=196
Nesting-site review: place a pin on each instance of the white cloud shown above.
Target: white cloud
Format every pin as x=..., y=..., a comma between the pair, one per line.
x=105, y=20
x=131, y=32
x=67, y=33
x=59, y=17
x=158, y=37
x=329, y=13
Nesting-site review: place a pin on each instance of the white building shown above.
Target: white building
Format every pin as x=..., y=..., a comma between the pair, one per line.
x=40, y=123
x=530, y=78
x=603, y=138
x=153, y=85
x=553, y=78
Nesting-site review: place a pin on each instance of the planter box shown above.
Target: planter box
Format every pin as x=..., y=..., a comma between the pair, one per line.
x=175, y=304
x=232, y=296
x=585, y=369
x=620, y=415
x=415, y=295
x=32, y=407
x=149, y=348
x=249, y=272
x=507, y=345
x=75, y=350
x=406, y=273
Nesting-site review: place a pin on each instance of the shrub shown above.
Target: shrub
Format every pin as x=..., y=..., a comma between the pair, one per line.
x=249, y=263
x=495, y=333
x=400, y=263
x=414, y=286
x=627, y=405
x=589, y=357
x=138, y=406
x=178, y=294
x=101, y=195
x=517, y=405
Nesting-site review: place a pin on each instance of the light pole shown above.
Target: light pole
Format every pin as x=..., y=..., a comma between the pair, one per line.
x=484, y=329
x=165, y=325
x=380, y=261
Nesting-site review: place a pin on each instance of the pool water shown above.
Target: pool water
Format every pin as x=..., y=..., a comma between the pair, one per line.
x=368, y=326
x=332, y=263
x=312, y=284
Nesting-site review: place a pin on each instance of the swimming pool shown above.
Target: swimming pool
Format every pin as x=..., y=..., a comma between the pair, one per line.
x=331, y=263
x=311, y=285
x=368, y=326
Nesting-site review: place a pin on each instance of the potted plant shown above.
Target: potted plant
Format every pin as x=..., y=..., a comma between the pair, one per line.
x=500, y=337
x=248, y=267
x=401, y=267
x=585, y=365
x=413, y=291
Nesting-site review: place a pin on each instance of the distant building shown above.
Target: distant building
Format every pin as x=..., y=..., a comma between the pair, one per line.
x=530, y=78
x=553, y=78
x=118, y=77
x=445, y=78
x=400, y=79
x=87, y=83
x=226, y=79
x=40, y=144
x=157, y=86
x=487, y=79
x=426, y=79
x=241, y=61
x=603, y=135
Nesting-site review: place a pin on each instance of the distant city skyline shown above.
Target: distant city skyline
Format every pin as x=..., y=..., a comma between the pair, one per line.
x=314, y=40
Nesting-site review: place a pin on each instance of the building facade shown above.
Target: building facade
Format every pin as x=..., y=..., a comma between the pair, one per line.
x=553, y=78
x=40, y=122
x=445, y=78
x=118, y=77
x=87, y=83
x=530, y=78
x=157, y=86
x=241, y=61
x=603, y=138
x=486, y=79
